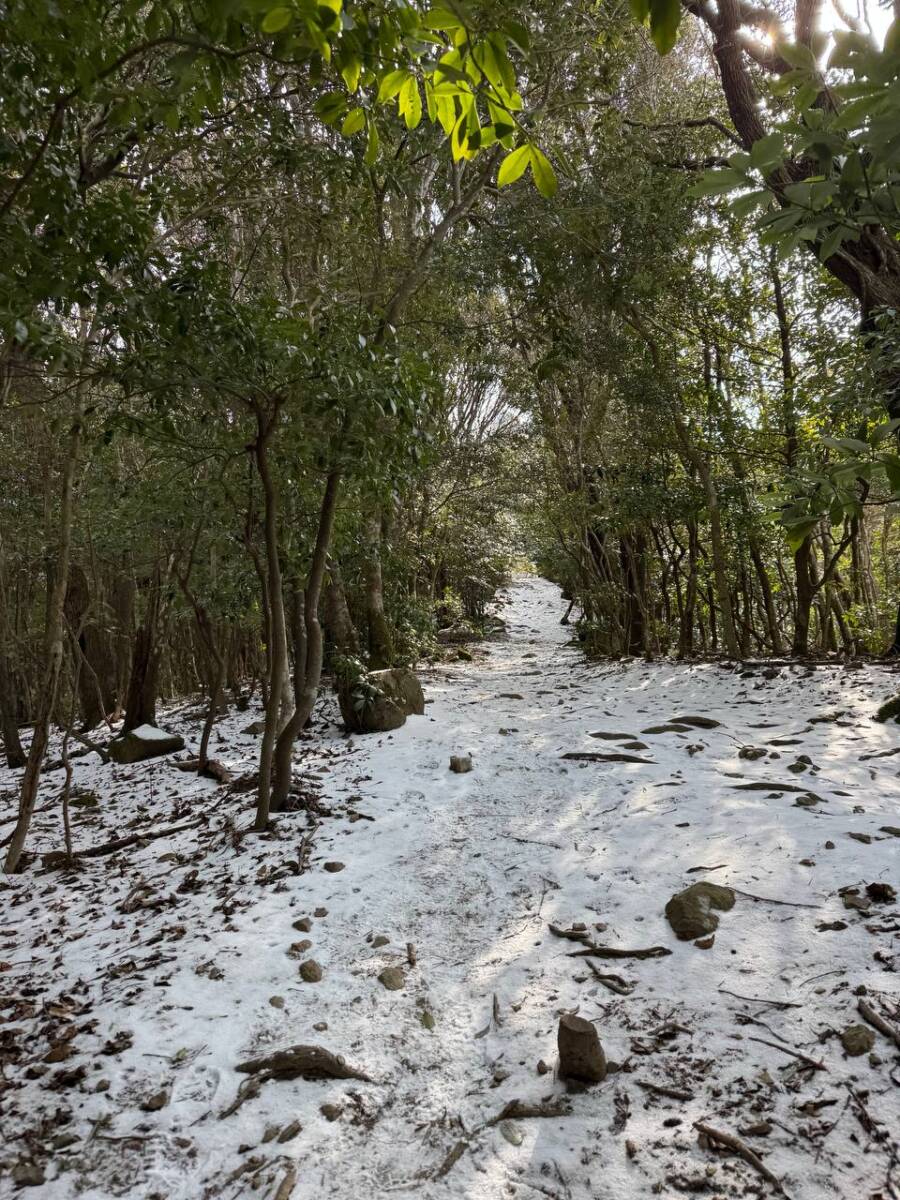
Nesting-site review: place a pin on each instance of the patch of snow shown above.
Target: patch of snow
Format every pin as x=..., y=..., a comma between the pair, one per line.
x=177, y=947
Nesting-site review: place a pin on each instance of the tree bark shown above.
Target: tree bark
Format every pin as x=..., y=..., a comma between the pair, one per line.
x=53, y=643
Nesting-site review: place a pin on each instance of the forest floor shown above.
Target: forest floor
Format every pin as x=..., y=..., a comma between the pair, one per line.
x=132, y=988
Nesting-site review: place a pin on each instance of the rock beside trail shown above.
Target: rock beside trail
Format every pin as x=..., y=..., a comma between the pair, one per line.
x=857, y=1040
x=392, y=978
x=144, y=742
x=381, y=701
x=462, y=631
x=460, y=764
x=581, y=1056
x=690, y=912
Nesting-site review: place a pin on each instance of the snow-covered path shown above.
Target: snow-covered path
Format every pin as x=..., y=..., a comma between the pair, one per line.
x=455, y=881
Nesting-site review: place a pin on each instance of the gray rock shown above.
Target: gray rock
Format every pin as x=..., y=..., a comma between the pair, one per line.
x=27, y=1174
x=462, y=631
x=690, y=912
x=751, y=753
x=397, y=695
x=460, y=764
x=857, y=1040
x=310, y=971
x=157, y=1101
x=392, y=978
x=697, y=722
x=581, y=1056
x=144, y=742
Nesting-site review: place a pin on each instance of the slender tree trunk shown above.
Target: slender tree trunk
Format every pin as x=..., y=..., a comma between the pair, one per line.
x=54, y=641
x=381, y=641
x=278, y=650
x=308, y=668
x=336, y=612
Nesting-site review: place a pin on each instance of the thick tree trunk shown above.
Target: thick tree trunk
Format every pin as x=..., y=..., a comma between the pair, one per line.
x=143, y=681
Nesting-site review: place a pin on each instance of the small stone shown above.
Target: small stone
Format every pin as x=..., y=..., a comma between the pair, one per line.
x=875, y=1060
x=857, y=1040
x=27, y=1174
x=807, y=800
x=290, y=1131
x=427, y=1019
x=310, y=971
x=277, y=1001
x=102, y=1085
x=392, y=978
x=865, y=838
x=379, y=940
x=304, y=925
x=706, y=943
x=892, y=830
x=751, y=752
x=689, y=912
x=829, y=845
x=298, y=948
x=321, y=912
x=157, y=1101
x=270, y=1134
x=330, y=1112
x=542, y=1068
x=854, y=901
x=62, y=1141
x=512, y=1133
x=334, y=867
x=881, y=893
x=807, y=862
x=460, y=764
x=320, y=1026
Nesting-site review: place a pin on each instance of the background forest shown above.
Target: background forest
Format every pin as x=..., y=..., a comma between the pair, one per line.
x=315, y=318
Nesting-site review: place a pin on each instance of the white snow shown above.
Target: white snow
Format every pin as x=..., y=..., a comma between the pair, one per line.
x=150, y=733
x=470, y=869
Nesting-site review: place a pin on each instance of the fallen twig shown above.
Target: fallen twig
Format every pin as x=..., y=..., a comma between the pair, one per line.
x=743, y=1151
x=615, y=983
x=659, y=1089
x=772, y=900
x=54, y=856
x=594, y=951
x=761, y=1000
x=868, y=1013
x=812, y=1063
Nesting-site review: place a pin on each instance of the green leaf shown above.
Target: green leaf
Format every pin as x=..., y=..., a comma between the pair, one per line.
x=371, y=155
x=665, y=17
x=714, y=183
x=277, y=19
x=351, y=71
x=513, y=166
x=441, y=18
x=353, y=122
x=768, y=151
x=543, y=174
x=411, y=103
x=391, y=84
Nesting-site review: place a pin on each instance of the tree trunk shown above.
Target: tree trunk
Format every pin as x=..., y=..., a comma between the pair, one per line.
x=339, y=625
x=381, y=641
x=803, y=575
x=53, y=645
x=309, y=646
